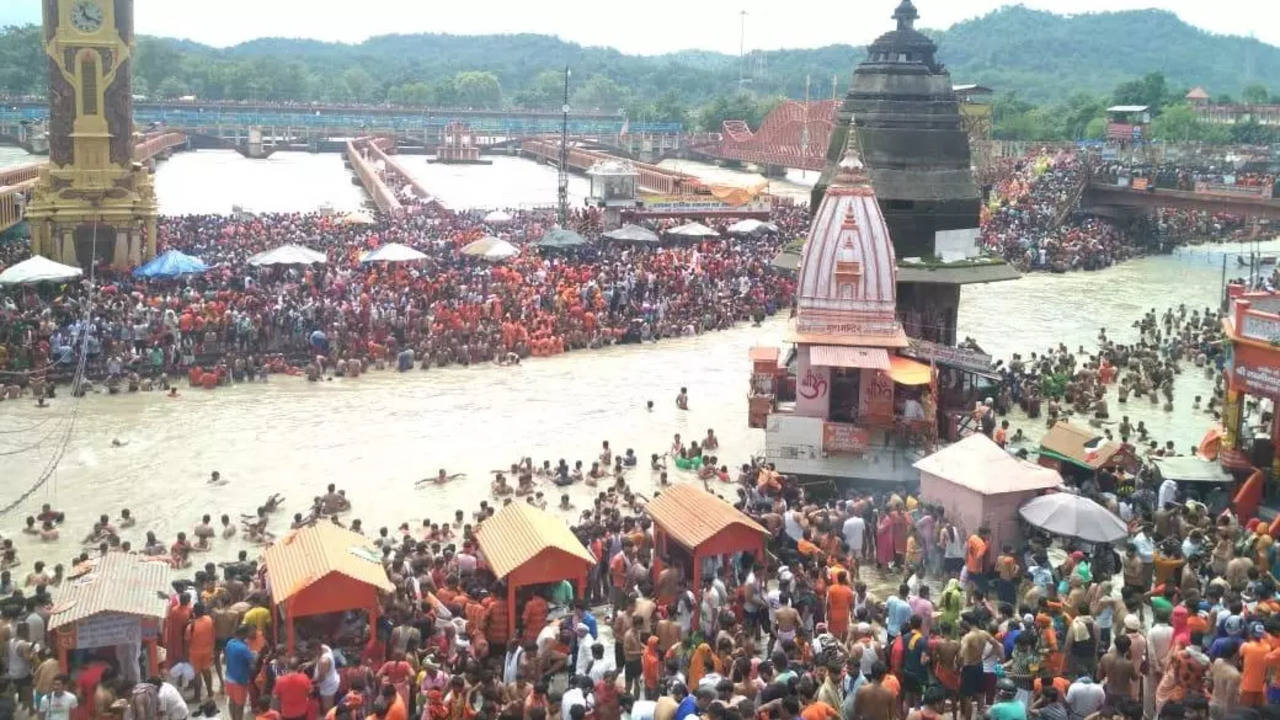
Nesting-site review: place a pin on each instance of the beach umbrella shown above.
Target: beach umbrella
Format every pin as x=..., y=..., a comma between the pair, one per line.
x=490, y=248
x=359, y=217
x=751, y=226
x=558, y=237
x=1071, y=515
x=498, y=217
x=632, y=233
x=288, y=255
x=171, y=263
x=38, y=268
x=693, y=230
x=393, y=252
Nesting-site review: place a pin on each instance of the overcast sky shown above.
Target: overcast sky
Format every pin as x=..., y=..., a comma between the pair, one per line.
x=648, y=27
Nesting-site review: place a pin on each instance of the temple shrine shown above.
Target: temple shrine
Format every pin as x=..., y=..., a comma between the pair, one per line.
x=458, y=146
x=846, y=404
x=904, y=112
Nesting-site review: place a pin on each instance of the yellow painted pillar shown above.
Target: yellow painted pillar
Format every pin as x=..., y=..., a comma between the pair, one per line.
x=1231, y=417
x=150, y=230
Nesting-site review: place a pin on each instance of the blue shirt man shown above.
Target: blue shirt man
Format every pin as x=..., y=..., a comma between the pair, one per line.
x=239, y=660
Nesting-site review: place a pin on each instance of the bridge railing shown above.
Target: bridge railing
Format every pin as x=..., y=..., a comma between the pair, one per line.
x=20, y=173
x=156, y=143
x=383, y=197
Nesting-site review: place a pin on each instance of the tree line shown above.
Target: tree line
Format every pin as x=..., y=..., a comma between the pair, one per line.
x=1082, y=116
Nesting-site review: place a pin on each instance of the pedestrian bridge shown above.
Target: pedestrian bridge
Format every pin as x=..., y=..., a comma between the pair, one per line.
x=323, y=127
x=1105, y=199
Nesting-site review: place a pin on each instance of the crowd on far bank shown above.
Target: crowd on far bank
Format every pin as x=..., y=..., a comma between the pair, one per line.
x=1173, y=176
x=239, y=321
x=1032, y=216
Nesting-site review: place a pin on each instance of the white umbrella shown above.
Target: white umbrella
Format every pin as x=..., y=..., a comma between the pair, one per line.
x=693, y=230
x=288, y=255
x=491, y=248
x=751, y=225
x=498, y=217
x=393, y=252
x=359, y=217
x=1071, y=515
x=38, y=268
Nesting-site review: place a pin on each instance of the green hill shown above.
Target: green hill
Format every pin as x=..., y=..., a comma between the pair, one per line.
x=1043, y=57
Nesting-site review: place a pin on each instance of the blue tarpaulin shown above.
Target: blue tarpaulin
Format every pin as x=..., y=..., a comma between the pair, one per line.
x=171, y=263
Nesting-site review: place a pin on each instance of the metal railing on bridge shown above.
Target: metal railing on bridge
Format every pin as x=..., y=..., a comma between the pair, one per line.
x=371, y=122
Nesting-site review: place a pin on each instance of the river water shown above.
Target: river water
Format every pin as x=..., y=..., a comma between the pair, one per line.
x=376, y=435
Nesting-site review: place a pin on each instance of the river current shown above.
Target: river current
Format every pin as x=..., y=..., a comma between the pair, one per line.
x=376, y=435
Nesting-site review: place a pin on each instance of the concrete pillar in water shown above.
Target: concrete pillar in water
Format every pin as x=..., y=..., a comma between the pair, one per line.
x=255, y=142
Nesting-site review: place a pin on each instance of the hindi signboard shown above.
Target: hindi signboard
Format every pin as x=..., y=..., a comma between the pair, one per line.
x=108, y=629
x=1257, y=380
x=1257, y=326
x=844, y=438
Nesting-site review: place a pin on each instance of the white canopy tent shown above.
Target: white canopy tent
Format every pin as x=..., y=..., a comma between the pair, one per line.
x=38, y=268
x=498, y=217
x=693, y=230
x=288, y=255
x=491, y=248
x=393, y=252
x=750, y=226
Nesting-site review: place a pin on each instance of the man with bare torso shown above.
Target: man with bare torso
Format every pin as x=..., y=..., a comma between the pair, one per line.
x=873, y=700
x=973, y=643
x=786, y=619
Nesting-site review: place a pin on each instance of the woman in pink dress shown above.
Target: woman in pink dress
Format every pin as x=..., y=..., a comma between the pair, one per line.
x=884, y=540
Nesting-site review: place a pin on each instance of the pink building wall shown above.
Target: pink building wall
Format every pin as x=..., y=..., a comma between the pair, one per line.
x=969, y=509
x=813, y=386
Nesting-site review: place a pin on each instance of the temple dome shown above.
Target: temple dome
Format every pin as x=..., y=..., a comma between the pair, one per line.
x=848, y=269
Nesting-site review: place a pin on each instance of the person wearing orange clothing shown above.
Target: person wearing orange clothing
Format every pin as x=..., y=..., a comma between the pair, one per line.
x=1258, y=659
x=200, y=640
x=840, y=600
x=175, y=630
x=975, y=558
x=534, y=618
x=497, y=618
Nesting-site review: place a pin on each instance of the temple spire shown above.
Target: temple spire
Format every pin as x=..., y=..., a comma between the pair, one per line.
x=906, y=15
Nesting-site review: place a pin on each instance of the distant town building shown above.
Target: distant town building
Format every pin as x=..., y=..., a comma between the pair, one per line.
x=1230, y=113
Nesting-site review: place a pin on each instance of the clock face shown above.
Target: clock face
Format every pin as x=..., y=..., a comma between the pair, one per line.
x=86, y=15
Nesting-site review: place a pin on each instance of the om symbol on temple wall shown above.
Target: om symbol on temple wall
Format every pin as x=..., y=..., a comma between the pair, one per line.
x=812, y=386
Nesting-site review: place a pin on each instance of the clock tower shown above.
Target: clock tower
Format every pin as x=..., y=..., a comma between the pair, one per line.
x=92, y=202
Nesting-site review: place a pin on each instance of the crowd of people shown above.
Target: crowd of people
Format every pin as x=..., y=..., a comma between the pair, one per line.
x=866, y=606
x=1031, y=218
x=1179, y=176
x=241, y=321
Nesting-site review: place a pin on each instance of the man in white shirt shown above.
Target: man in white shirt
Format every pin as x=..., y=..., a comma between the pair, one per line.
x=636, y=709
x=172, y=704
x=578, y=694
x=1085, y=697
x=1159, y=642
x=59, y=703
x=854, y=529
x=1168, y=493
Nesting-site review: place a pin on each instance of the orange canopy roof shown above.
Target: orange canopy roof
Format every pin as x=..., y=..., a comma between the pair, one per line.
x=906, y=371
x=692, y=516
x=519, y=532
x=303, y=557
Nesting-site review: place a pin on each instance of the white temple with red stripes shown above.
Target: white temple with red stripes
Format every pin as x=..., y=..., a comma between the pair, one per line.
x=845, y=404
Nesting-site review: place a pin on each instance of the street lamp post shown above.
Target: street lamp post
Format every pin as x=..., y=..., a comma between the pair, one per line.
x=563, y=190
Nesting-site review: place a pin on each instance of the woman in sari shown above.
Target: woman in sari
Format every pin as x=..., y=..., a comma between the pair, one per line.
x=884, y=540
x=951, y=602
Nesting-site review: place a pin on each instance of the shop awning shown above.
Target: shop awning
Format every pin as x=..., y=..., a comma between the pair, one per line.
x=906, y=371
x=849, y=357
